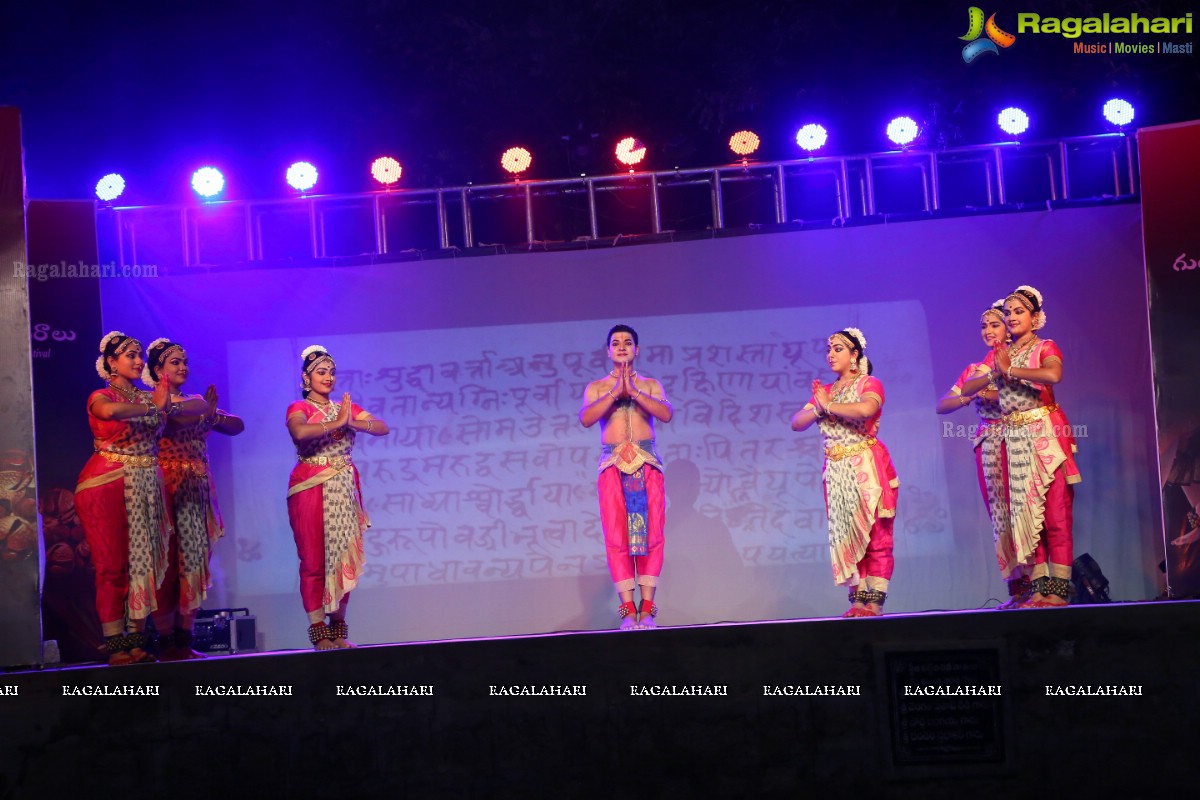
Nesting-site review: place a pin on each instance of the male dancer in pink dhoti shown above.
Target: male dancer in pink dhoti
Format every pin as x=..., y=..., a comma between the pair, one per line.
x=630, y=486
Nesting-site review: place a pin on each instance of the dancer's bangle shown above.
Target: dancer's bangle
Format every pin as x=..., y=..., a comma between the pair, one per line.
x=369, y=425
x=964, y=400
x=323, y=428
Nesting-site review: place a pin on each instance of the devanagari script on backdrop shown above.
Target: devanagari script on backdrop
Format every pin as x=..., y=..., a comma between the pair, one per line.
x=488, y=475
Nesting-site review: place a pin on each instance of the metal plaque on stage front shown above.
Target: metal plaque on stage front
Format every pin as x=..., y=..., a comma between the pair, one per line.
x=945, y=708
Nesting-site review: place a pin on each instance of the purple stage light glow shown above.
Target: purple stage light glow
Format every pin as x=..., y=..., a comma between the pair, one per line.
x=302, y=176
x=110, y=187
x=208, y=182
x=811, y=137
x=903, y=130
x=1119, y=112
x=1013, y=121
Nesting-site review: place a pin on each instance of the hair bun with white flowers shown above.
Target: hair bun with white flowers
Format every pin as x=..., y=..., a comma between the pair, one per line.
x=857, y=334
x=148, y=373
x=1039, y=312
x=102, y=361
x=1033, y=292
x=108, y=337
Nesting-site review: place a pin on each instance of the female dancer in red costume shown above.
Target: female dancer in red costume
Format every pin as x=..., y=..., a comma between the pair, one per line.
x=120, y=498
x=1040, y=448
x=183, y=456
x=325, y=497
x=990, y=459
x=861, y=487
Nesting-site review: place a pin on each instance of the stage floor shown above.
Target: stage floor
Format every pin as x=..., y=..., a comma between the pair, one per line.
x=1087, y=698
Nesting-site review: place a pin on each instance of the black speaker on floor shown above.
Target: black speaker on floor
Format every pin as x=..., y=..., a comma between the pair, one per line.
x=1090, y=584
x=225, y=630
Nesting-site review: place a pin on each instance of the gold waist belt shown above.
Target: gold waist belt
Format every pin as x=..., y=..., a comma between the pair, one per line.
x=337, y=462
x=128, y=460
x=1018, y=418
x=196, y=465
x=837, y=452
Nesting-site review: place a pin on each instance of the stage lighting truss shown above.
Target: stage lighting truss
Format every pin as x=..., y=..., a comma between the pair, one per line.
x=815, y=190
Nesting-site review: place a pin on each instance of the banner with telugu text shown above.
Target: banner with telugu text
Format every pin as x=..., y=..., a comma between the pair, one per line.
x=64, y=329
x=1170, y=167
x=20, y=567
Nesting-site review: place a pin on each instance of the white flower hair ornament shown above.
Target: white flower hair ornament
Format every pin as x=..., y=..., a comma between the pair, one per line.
x=147, y=376
x=862, y=365
x=1032, y=291
x=1039, y=314
x=101, y=362
x=996, y=308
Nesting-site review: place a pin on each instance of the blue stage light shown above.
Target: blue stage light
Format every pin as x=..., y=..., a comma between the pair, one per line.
x=1119, y=112
x=1013, y=121
x=208, y=182
x=110, y=187
x=302, y=176
x=903, y=130
x=812, y=137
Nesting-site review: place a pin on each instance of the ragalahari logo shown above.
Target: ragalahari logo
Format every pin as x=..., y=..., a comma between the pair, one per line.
x=976, y=28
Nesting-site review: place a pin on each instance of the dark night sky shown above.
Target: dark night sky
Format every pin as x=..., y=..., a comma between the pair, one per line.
x=155, y=90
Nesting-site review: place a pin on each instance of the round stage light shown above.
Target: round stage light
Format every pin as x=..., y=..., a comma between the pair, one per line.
x=1013, y=121
x=811, y=137
x=302, y=176
x=902, y=130
x=630, y=151
x=208, y=181
x=110, y=187
x=516, y=160
x=744, y=143
x=386, y=170
x=1119, y=112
